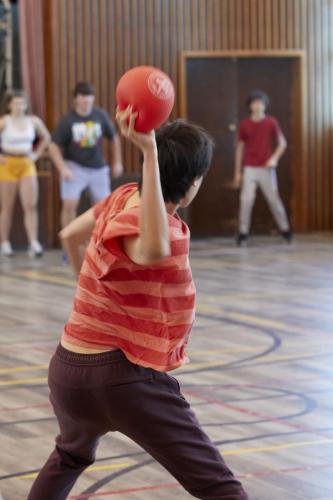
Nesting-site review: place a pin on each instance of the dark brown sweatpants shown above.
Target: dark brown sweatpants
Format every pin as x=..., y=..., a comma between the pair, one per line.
x=94, y=394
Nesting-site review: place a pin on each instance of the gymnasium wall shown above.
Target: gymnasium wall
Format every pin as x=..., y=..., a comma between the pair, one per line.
x=98, y=40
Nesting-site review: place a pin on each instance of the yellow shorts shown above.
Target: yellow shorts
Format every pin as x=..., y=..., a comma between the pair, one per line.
x=17, y=167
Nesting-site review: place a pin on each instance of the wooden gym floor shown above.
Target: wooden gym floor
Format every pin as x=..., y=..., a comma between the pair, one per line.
x=261, y=377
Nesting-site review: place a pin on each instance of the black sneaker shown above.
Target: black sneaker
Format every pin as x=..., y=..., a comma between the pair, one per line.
x=241, y=240
x=287, y=236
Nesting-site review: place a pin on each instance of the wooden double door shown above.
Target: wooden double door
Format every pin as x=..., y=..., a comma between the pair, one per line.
x=215, y=90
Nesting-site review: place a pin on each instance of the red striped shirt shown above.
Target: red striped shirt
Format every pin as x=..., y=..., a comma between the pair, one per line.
x=147, y=312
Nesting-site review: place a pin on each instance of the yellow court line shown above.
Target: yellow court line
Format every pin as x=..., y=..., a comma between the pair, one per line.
x=194, y=352
x=259, y=361
x=23, y=381
x=314, y=343
x=210, y=308
x=232, y=350
x=24, y=369
x=228, y=350
x=244, y=451
x=251, y=319
x=189, y=366
x=48, y=278
x=254, y=320
x=240, y=451
x=89, y=469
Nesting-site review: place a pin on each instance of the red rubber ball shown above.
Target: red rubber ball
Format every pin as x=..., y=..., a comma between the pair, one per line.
x=150, y=92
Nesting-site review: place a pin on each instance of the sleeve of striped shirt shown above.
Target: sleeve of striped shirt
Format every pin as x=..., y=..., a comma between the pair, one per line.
x=100, y=206
x=118, y=227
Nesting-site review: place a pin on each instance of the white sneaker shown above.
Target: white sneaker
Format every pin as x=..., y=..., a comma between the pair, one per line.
x=35, y=249
x=6, y=249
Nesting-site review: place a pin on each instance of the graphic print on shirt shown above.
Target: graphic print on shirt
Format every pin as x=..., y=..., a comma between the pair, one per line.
x=87, y=134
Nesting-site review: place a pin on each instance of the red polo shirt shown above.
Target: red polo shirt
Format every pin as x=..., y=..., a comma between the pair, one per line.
x=259, y=138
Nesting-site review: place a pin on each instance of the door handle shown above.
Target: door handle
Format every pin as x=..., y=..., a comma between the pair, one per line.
x=232, y=127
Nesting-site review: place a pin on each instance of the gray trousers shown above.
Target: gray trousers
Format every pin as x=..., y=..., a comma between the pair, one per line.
x=266, y=179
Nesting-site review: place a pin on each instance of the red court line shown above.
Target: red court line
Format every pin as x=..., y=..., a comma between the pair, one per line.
x=128, y=490
x=257, y=414
x=46, y=350
x=265, y=384
x=164, y=486
x=27, y=349
x=19, y=408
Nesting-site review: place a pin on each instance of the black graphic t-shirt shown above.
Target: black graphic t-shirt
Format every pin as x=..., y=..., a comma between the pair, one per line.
x=80, y=137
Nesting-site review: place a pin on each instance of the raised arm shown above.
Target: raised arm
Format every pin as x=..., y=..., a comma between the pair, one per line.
x=153, y=243
x=117, y=163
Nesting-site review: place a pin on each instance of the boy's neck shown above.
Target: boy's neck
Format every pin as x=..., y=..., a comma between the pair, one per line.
x=171, y=208
x=81, y=112
x=257, y=117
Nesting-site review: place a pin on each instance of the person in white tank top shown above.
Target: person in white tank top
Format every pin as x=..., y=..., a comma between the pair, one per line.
x=17, y=140
x=18, y=133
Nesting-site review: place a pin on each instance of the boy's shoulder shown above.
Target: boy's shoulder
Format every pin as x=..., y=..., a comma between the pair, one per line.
x=271, y=119
x=115, y=201
x=100, y=113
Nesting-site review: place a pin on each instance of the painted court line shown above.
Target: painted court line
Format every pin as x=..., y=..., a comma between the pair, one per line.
x=238, y=451
x=47, y=278
x=89, y=469
x=209, y=364
x=21, y=408
x=252, y=413
x=233, y=350
x=163, y=486
x=276, y=447
x=26, y=368
x=24, y=381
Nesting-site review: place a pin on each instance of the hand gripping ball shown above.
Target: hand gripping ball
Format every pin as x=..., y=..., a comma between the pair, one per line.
x=150, y=92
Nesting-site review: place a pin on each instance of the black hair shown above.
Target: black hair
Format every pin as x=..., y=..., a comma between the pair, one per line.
x=184, y=154
x=257, y=95
x=83, y=88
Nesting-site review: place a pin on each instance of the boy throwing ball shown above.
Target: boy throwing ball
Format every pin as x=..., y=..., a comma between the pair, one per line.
x=130, y=324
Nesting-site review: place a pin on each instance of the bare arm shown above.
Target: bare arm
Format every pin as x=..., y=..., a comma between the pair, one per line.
x=75, y=235
x=57, y=158
x=117, y=164
x=238, y=162
x=153, y=243
x=280, y=149
x=43, y=135
x=2, y=124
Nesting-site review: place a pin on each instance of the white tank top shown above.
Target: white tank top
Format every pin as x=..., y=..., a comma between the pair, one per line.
x=15, y=140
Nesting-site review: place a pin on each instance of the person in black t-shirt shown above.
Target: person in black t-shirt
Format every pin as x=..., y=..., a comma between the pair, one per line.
x=77, y=151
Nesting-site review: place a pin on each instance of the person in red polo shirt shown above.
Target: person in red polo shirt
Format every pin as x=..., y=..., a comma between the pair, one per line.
x=260, y=145
x=130, y=324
